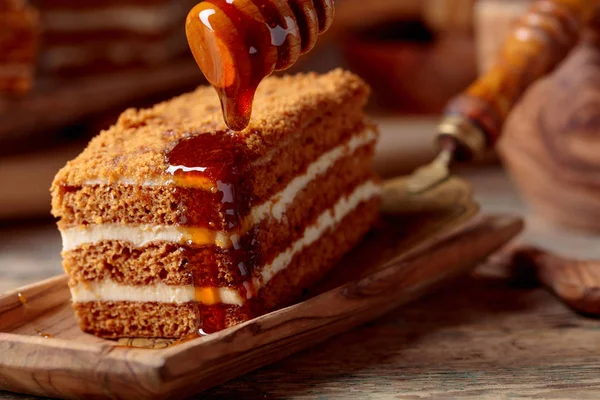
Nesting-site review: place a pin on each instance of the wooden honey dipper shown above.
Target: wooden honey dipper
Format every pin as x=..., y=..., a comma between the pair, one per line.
x=473, y=121
x=237, y=43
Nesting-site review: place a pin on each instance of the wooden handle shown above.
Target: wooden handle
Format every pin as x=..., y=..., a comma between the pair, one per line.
x=541, y=40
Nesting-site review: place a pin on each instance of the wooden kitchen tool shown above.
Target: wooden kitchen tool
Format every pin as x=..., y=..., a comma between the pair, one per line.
x=43, y=351
x=473, y=123
x=473, y=120
x=493, y=21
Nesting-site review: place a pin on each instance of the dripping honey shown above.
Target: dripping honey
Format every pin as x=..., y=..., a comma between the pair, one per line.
x=44, y=334
x=237, y=43
x=219, y=158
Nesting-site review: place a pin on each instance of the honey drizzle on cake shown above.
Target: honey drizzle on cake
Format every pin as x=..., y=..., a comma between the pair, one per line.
x=238, y=43
x=218, y=158
x=22, y=298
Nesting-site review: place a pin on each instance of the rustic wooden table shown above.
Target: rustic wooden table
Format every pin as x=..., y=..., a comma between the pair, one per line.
x=483, y=337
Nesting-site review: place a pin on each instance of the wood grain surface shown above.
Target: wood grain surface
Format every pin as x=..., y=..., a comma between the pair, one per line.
x=60, y=361
x=480, y=338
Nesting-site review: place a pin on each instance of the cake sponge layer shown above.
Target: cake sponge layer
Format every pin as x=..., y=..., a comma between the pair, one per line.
x=150, y=319
x=169, y=263
x=160, y=320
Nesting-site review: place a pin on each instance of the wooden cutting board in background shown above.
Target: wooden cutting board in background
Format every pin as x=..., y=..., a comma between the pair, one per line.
x=406, y=256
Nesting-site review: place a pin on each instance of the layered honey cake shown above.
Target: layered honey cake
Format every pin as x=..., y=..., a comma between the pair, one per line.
x=173, y=225
x=19, y=33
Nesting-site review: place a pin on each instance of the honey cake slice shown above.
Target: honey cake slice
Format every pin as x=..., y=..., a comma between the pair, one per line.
x=172, y=224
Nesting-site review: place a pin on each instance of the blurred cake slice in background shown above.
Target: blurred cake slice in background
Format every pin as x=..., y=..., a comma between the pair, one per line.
x=94, y=59
x=19, y=32
x=92, y=36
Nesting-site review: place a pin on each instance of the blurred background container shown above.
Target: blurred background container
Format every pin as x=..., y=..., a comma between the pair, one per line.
x=415, y=54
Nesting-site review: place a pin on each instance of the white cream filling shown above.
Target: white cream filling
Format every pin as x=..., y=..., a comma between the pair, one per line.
x=144, y=19
x=138, y=235
x=325, y=221
x=111, y=291
x=275, y=207
x=278, y=204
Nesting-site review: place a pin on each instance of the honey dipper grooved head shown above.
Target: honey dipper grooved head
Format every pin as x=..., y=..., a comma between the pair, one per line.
x=237, y=43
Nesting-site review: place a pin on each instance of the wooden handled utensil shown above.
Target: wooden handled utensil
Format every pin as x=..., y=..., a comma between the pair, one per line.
x=473, y=121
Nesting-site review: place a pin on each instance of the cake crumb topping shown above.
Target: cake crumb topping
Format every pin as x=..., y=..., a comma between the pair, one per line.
x=136, y=145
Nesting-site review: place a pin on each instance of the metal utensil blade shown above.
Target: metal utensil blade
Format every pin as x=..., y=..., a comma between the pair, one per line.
x=431, y=174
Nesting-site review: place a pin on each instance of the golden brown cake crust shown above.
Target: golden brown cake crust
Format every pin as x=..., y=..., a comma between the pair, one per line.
x=135, y=146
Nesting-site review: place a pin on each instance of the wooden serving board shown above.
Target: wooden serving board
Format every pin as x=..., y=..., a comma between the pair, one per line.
x=43, y=352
